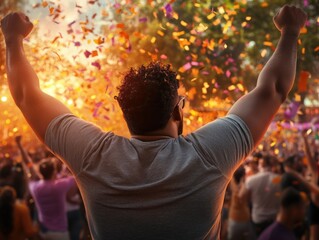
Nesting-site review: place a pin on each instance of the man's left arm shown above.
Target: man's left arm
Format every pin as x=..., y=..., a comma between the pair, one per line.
x=38, y=108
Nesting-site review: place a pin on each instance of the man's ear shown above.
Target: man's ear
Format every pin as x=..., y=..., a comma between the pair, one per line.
x=177, y=114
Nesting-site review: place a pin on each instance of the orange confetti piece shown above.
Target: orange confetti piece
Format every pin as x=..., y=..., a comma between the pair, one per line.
x=269, y=44
x=51, y=10
x=94, y=53
x=303, y=50
x=201, y=27
x=276, y=180
x=120, y=25
x=161, y=33
x=231, y=88
x=44, y=4
x=241, y=87
x=303, y=30
x=211, y=16
x=178, y=34
x=183, y=23
x=99, y=40
x=56, y=38
x=192, y=39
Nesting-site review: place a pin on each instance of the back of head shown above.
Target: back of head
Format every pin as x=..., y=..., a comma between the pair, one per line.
x=7, y=200
x=239, y=174
x=267, y=161
x=290, y=161
x=147, y=96
x=257, y=156
x=291, y=197
x=47, y=168
x=19, y=182
x=294, y=162
x=6, y=165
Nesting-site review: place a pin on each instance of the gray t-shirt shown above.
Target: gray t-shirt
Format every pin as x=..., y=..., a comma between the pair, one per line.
x=164, y=189
x=265, y=195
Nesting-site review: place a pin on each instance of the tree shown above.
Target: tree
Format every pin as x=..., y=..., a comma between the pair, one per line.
x=218, y=47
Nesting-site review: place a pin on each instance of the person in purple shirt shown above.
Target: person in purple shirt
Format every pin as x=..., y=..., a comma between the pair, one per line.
x=49, y=194
x=292, y=211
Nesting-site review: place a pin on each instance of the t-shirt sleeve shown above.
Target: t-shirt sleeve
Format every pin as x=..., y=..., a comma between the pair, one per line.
x=223, y=143
x=73, y=139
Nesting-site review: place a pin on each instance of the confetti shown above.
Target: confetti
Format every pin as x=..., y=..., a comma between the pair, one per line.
x=87, y=53
x=168, y=10
x=197, y=38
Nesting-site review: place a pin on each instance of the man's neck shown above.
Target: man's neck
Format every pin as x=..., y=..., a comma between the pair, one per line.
x=168, y=132
x=149, y=138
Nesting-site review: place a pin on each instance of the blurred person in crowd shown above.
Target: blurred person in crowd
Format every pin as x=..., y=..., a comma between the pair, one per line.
x=225, y=214
x=263, y=191
x=49, y=193
x=75, y=218
x=313, y=213
x=13, y=174
x=239, y=224
x=292, y=211
x=6, y=167
x=288, y=179
x=310, y=187
x=73, y=203
x=253, y=164
x=157, y=172
x=294, y=176
x=15, y=219
x=20, y=181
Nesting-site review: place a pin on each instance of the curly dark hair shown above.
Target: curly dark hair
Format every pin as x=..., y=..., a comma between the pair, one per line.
x=147, y=96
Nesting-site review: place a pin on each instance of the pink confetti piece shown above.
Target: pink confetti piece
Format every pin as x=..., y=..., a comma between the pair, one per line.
x=87, y=53
x=143, y=20
x=187, y=66
x=96, y=64
x=96, y=109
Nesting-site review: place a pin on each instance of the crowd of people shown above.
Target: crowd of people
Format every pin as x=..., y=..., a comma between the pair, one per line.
x=158, y=184
x=275, y=196
x=271, y=196
x=39, y=198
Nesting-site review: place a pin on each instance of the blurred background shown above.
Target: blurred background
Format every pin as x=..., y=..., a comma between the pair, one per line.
x=81, y=48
